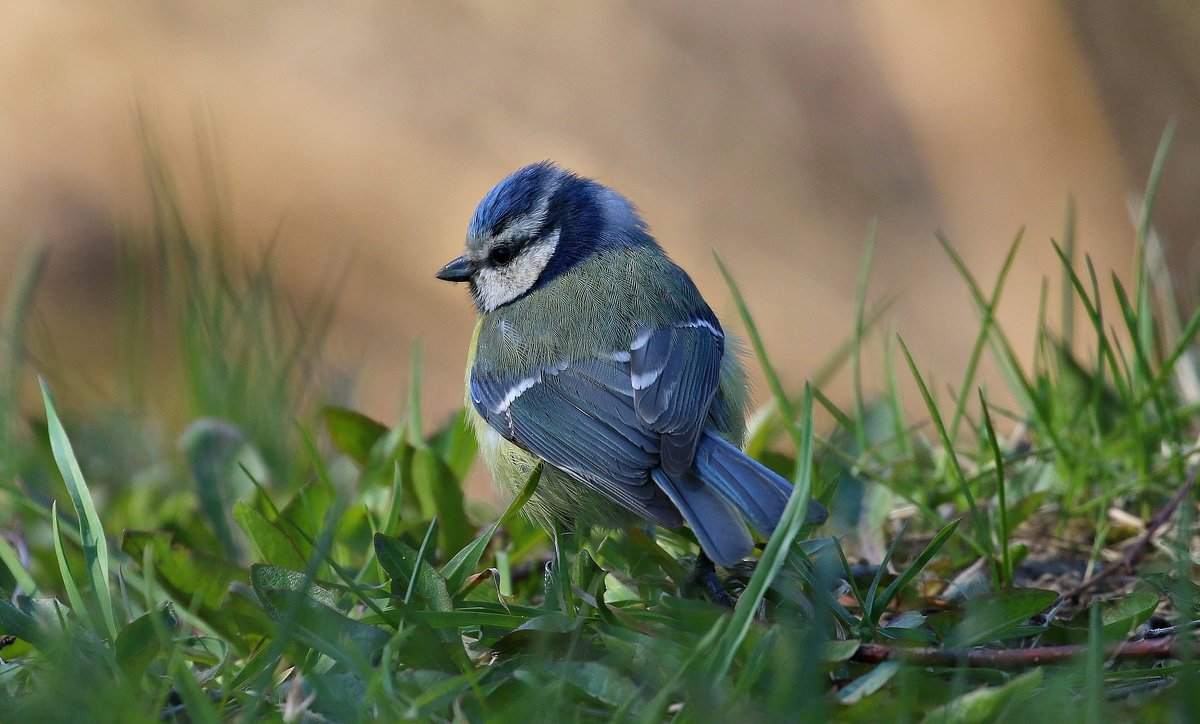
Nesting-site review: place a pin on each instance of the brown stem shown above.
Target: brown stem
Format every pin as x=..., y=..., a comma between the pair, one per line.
x=1017, y=658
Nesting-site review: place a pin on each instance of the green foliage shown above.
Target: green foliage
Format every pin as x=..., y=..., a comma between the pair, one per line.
x=335, y=570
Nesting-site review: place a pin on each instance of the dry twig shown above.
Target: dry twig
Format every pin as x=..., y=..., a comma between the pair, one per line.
x=1136, y=551
x=1017, y=658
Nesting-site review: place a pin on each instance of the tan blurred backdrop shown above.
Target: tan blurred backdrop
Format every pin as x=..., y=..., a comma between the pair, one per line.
x=365, y=133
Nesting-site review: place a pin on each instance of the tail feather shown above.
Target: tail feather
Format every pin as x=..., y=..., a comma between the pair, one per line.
x=716, y=522
x=754, y=489
x=724, y=487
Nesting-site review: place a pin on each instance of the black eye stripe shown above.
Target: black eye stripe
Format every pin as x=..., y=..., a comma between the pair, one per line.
x=502, y=254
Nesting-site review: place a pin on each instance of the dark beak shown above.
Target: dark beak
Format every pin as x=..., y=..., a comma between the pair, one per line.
x=459, y=270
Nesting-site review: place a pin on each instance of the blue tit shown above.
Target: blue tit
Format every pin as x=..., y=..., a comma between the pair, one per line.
x=596, y=355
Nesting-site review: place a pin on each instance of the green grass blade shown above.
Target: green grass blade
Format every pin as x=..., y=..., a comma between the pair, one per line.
x=871, y=611
x=987, y=310
x=64, y=570
x=17, y=305
x=980, y=542
x=1182, y=345
x=918, y=565
x=12, y=560
x=1010, y=366
x=420, y=559
x=776, y=552
x=95, y=547
x=464, y=562
x=1001, y=494
x=860, y=297
x=781, y=399
x=1068, y=299
x=1141, y=291
x=416, y=436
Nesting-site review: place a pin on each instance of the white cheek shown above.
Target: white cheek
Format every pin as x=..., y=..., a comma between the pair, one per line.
x=497, y=286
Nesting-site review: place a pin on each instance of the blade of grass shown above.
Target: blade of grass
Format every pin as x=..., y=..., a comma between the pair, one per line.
x=860, y=297
x=1094, y=667
x=412, y=580
x=64, y=570
x=781, y=399
x=1095, y=314
x=12, y=560
x=988, y=312
x=918, y=565
x=776, y=552
x=416, y=436
x=872, y=612
x=1068, y=299
x=979, y=543
x=95, y=547
x=994, y=443
x=16, y=308
x=1006, y=358
x=1182, y=345
x=463, y=563
x=900, y=431
x=1141, y=291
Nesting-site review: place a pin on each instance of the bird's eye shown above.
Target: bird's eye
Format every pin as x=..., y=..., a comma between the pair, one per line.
x=502, y=254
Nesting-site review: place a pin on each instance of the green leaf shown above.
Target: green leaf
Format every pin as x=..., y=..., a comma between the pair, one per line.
x=400, y=562
x=868, y=683
x=1122, y=616
x=274, y=545
x=11, y=560
x=417, y=645
x=95, y=547
x=138, y=644
x=833, y=652
x=64, y=569
x=196, y=579
x=550, y=634
x=307, y=508
x=996, y=615
x=15, y=622
x=1118, y=618
x=353, y=643
x=439, y=491
x=216, y=451
x=987, y=703
x=270, y=581
x=353, y=432
x=464, y=562
x=889, y=594
x=598, y=681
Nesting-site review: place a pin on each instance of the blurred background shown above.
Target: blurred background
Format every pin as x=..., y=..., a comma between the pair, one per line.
x=354, y=141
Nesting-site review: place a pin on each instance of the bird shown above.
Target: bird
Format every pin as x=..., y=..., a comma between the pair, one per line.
x=596, y=356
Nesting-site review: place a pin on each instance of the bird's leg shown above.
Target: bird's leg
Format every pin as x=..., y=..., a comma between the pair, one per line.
x=706, y=574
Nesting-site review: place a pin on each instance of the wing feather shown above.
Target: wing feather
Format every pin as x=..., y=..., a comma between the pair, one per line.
x=610, y=421
x=674, y=372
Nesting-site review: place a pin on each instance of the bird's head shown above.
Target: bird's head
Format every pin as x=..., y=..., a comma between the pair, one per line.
x=536, y=224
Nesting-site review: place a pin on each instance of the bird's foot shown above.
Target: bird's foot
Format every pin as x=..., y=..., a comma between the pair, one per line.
x=705, y=574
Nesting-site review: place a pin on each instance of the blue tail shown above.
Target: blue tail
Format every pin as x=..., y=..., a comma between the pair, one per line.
x=723, y=487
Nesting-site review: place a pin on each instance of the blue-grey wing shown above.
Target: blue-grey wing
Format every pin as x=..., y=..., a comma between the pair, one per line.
x=580, y=418
x=674, y=372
